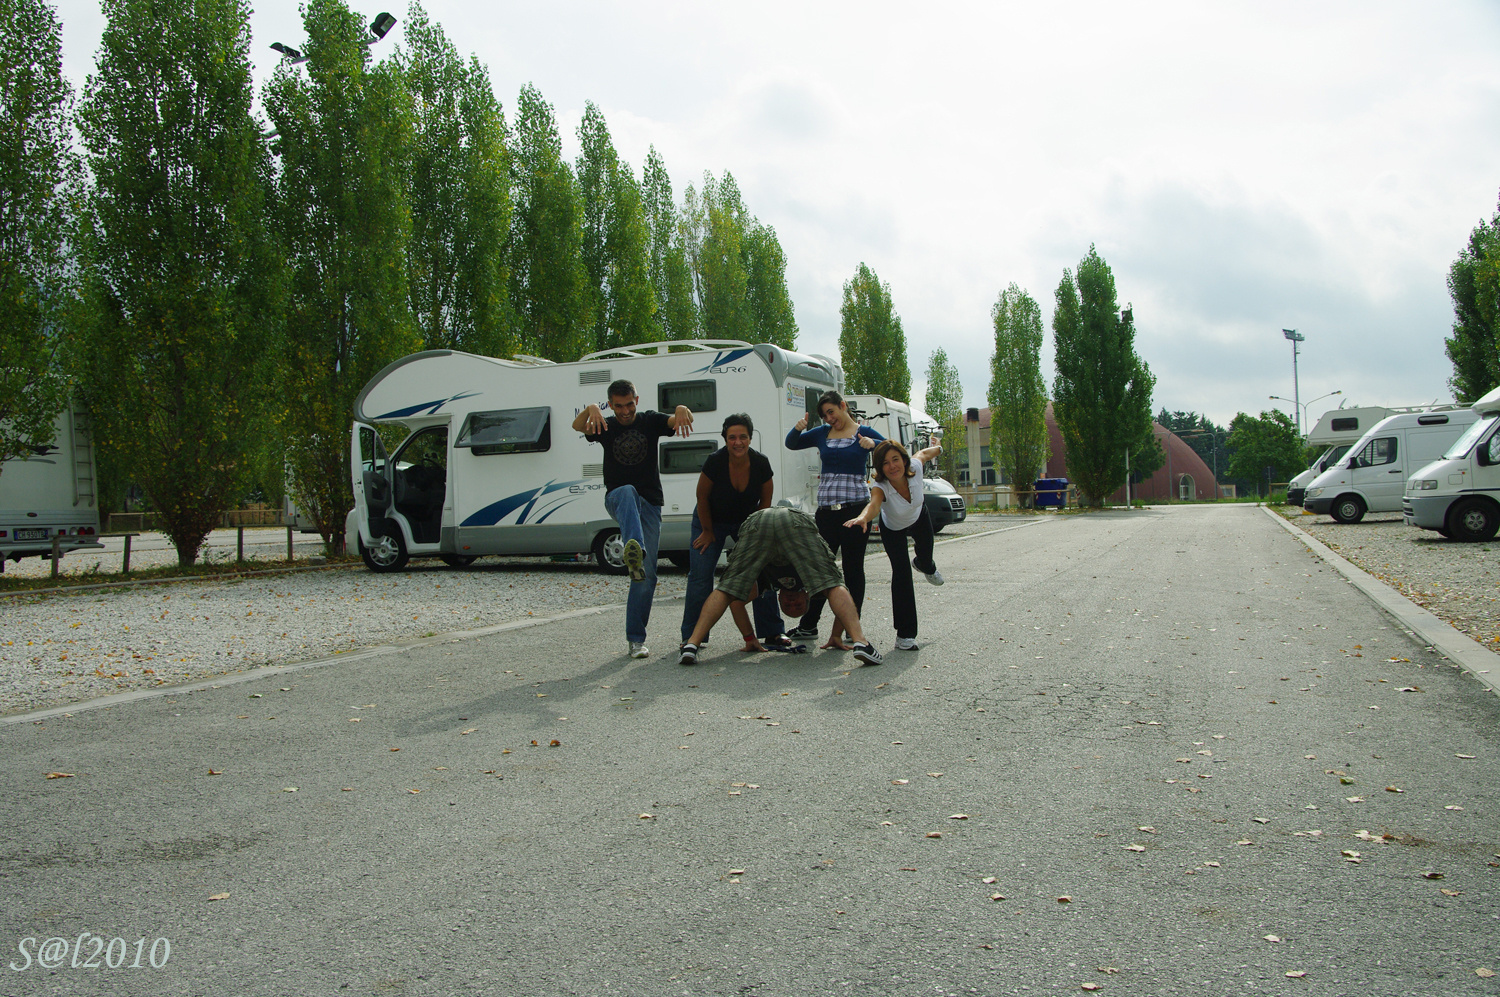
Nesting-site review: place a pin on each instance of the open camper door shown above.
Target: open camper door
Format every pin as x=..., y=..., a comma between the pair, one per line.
x=381, y=549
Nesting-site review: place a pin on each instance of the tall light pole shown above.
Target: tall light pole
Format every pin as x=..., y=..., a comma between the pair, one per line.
x=1304, y=406
x=1296, y=337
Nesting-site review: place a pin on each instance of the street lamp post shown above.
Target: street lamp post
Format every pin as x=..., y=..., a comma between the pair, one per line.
x=1304, y=406
x=379, y=28
x=1296, y=337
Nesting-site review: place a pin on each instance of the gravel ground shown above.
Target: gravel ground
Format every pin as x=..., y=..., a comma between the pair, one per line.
x=60, y=647
x=1456, y=582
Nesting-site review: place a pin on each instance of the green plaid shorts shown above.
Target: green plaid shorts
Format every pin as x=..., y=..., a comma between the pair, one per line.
x=781, y=535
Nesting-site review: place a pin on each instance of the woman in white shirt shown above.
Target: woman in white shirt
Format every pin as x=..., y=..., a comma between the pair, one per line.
x=897, y=499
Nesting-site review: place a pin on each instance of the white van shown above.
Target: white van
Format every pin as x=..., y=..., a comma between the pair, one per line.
x=51, y=494
x=1371, y=477
x=490, y=463
x=1459, y=495
x=1336, y=431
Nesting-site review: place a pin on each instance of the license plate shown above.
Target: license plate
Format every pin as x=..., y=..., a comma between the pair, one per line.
x=41, y=534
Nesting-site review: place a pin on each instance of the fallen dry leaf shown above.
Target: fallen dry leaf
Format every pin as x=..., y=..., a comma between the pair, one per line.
x=1271, y=938
x=414, y=791
x=934, y=834
x=936, y=775
x=469, y=731
x=1109, y=969
x=1064, y=900
x=997, y=897
x=990, y=880
x=1354, y=799
x=290, y=789
x=1432, y=875
x=219, y=896
x=958, y=816
x=1213, y=865
x=899, y=782
x=1295, y=974
x=1450, y=893
x=1135, y=848
x=59, y=775
x=555, y=743
x=1088, y=986
x=1149, y=829
x=1394, y=789
x=736, y=872
x=647, y=816
x=1244, y=841
x=1484, y=972
x=1463, y=756
x=215, y=772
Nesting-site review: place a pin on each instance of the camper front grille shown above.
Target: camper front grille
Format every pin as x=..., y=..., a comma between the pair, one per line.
x=594, y=377
x=593, y=470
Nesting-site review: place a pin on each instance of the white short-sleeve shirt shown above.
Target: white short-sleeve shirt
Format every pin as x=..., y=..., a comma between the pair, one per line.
x=897, y=513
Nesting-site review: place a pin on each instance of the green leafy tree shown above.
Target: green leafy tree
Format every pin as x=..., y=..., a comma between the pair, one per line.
x=345, y=131
x=1102, y=391
x=738, y=267
x=616, y=241
x=1019, y=444
x=459, y=191
x=1270, y=441
x=182, y=277
x=39, y=181
x=1202, y=434
x=1474, y=286
x=872, y=344
x=944, y=401
x=549, y=281
x=670, y=273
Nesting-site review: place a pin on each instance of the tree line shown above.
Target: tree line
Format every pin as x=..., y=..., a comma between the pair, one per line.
x=217, y=287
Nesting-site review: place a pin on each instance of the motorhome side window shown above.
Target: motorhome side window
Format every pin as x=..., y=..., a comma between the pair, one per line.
x=1377, y=452
x=507, y=431
x=1347, y=425
x=698, y=396
x=686, y=457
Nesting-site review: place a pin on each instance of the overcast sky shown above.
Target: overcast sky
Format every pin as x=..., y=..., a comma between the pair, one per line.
x=1242, y=168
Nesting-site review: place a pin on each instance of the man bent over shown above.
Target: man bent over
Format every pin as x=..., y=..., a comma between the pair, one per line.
x=780, y=547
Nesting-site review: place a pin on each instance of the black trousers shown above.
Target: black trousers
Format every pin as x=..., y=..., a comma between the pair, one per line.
x=903, y=597
x=848, y=545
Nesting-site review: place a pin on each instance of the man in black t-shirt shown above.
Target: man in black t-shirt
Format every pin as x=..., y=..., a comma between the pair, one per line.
x=632, y=491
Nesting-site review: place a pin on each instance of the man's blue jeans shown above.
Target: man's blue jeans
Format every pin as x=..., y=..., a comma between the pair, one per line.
x=701, y=582
x=639, y=521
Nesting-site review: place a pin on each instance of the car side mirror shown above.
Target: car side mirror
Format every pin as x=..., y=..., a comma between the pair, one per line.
x=1489, y=454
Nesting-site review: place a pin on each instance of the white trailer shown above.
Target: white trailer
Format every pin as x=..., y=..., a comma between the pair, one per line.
x=490, y=463
x=50, y=495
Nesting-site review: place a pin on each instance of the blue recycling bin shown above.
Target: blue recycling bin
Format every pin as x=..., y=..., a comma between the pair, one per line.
x=1051, y=492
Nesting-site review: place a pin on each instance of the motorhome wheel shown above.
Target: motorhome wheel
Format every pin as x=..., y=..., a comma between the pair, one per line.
x=388, y=554
x=1472, y=520
x=609, y=552
x=1348, y=509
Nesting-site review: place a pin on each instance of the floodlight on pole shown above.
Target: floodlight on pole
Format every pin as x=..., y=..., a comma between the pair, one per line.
x=383, y=23
x=1296, y=337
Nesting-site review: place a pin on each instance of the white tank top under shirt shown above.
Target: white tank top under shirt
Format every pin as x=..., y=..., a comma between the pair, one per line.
x=896, y=512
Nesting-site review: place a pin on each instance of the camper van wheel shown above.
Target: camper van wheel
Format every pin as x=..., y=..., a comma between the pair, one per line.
x=459, y=560
x=609, y=552
x=388, y=554
x=1347, y=509
x=1472, y=520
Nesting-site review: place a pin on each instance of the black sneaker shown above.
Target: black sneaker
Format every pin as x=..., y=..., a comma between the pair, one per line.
x=688, y=654
x=803, y=633
x=867, y=654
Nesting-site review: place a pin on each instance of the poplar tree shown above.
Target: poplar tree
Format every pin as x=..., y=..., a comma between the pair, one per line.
x=39, y=180
x=182, y=281
x=344, y=132
x=945, y=403
x=1018, y=394
x=669, y=271
x=1474, y=287
x=738, y=267
x=872, y=344
x=616, y=241
x=1102, y=391
x=459, y=190
x=549, y=282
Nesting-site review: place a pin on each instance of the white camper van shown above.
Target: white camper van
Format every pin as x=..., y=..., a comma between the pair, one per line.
x=1337, y=431
x=51, y=494
x=1459, y=495
x=1371, y=477
x=490, y=463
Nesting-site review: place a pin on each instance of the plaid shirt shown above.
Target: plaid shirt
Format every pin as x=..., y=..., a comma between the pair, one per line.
x=836, y=489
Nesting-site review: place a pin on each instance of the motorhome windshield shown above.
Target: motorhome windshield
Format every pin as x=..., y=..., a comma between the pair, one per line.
x=1471, y=436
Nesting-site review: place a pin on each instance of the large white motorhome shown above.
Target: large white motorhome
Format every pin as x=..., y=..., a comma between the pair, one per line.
x=490, y=463
x=1459, y=495
x=51, y=494
x=1337, y=431
x=1371, y=477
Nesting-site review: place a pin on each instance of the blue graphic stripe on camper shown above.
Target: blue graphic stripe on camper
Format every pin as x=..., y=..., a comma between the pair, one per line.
x=723, y=357
x=428, y=408
x=491, y=514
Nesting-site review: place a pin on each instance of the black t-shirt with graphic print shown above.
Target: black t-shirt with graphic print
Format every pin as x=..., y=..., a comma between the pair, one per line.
x=630, y=453
x=780, y=576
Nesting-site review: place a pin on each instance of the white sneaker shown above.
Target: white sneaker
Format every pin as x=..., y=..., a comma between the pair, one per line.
x=906, y=643
x=639, y=650
x=936, y=578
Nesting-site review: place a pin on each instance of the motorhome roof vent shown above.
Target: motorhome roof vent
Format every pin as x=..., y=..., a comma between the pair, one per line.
x=594, y=377
x=1432, y=420
x=1350, y=425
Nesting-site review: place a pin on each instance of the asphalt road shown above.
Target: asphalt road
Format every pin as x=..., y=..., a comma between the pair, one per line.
x=1166, y=736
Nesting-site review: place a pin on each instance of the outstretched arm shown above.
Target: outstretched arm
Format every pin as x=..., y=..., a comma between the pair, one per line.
x=929, y=453
x=590, y=421
x=872, y=509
